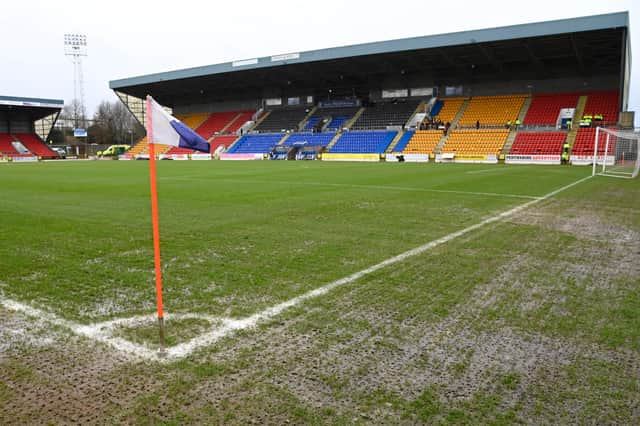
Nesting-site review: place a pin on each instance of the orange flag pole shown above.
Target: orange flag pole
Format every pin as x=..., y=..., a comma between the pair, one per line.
x=154, y=220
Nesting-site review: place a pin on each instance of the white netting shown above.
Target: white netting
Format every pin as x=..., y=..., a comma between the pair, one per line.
x=616, y=152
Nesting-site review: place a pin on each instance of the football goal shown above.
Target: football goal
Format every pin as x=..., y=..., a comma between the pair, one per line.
x=615, y=153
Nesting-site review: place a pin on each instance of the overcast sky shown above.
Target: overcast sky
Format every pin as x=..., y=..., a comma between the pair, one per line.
x=136, y=37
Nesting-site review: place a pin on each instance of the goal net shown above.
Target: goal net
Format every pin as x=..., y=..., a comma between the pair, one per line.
x=616, y=153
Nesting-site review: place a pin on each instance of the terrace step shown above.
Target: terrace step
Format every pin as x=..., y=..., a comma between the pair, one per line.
x=395, y=141
x=260, y=120
x=421, y=108
x=353, y=120
x=282, y=141
x=573, y=133
x=333, y=141
x=509, y=143
x=460, y=113
x=229, y=124
x=443, y=140
x=525, y=108
x=454, y=123
x=306, y=118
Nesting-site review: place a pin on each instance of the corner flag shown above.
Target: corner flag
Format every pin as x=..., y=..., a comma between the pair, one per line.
x=164, y=129
x=168, y=130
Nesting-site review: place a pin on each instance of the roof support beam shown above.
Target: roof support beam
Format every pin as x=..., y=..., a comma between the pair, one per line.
x=576, y=51
x=537, y=62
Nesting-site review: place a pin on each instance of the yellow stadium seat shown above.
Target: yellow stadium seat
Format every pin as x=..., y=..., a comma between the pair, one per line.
x=476, y=142
x=492, y=110
x=423, y=142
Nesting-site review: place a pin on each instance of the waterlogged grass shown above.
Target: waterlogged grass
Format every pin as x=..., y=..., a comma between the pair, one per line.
x=236, y=238
x=533, y=319
x=176, y=331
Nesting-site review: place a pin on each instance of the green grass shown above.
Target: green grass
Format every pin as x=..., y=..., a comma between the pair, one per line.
x=533, y=319
x=236, y=238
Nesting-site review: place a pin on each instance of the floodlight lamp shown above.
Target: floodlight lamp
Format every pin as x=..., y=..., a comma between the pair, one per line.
x=75, y=45
x=75, y=40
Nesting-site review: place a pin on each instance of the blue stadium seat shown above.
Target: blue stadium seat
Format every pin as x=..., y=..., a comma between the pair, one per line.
x=312, y=122
x=437, y=107
x=338, y=122
x=404, y=140
x=256, y=144
x=312, y=139
x=364, y=142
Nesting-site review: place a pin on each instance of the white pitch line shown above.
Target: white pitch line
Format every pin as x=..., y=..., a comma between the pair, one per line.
x=100, y=331
x=253, y=320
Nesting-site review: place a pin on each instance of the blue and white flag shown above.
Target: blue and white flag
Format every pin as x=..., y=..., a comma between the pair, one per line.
x=168, y=130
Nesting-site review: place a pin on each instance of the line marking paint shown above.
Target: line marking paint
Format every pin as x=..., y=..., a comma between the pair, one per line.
x=222, y=327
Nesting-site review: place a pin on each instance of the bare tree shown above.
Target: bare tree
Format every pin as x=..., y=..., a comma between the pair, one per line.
x=114, y=124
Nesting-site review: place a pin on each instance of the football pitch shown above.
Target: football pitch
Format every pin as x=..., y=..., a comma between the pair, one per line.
x=315, y=292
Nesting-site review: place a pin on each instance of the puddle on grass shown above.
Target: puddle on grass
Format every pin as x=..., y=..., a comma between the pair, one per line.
x=177, y=331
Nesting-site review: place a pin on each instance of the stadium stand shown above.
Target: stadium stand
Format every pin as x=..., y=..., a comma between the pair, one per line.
x=336, y=118
x=404, y=140
x=545, y=108
x=382, y=114
x=437, y=107
x=141, y=147
x=204, y=124
x=256, y=143
x=6, y=148
x=282, y=120
x=35, y=145
x=192, y=120
x=449, y=109
x=605, y=104
x=219, y=141
x=239, y=122
x=177, y=150
x=538, y=143
x=312, y=123
x=313, y=139
x=423, y=142
x=363, y=142
x=215, y=123
x=472, y=142
x=492, y=110
x=585, y=143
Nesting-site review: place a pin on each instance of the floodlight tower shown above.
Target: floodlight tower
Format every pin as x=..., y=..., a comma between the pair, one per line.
x=75, y=47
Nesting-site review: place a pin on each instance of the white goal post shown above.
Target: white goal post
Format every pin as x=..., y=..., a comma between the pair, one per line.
x=615, y=153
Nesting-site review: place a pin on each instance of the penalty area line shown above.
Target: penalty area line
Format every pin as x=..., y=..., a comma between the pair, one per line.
x=102, y=332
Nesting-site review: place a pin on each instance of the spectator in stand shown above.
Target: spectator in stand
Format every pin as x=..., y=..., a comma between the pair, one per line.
x=565, y=153
x=477, y=124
